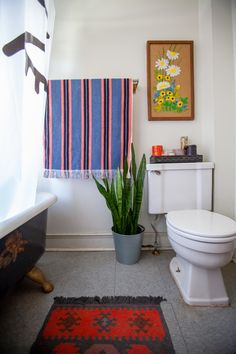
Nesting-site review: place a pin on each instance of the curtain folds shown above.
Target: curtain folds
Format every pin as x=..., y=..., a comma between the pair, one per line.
x=26, y=29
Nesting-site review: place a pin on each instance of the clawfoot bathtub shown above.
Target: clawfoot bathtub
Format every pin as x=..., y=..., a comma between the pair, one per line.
x=22, y=243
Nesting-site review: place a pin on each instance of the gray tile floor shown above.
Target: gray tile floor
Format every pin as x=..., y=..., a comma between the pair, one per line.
x=193, y=330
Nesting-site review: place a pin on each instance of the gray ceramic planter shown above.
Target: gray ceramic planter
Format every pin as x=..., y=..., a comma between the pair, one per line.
x=128, y=247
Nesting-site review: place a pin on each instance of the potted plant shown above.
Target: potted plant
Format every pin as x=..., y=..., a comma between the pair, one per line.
x=123, y=195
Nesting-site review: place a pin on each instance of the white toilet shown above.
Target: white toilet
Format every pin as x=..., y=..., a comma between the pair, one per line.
x=203, y=240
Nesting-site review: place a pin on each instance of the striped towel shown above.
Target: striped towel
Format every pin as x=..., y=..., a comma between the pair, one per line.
x=88, y=127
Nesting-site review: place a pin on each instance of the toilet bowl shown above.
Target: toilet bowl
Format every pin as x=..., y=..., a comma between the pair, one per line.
x=203, y=242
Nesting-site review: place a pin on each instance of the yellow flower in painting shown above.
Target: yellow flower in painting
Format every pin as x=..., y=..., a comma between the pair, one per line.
x=177, y=87
x=160, y=101
x=173, y=70
x=180, y=104
x=170, y=93
x=162, y=85
x=167, y=77
x=168, y=98
x=162, y=93
x=162, y=63
x=172, y=98
x=159, y=77
x=172, y=55
x=157, y=108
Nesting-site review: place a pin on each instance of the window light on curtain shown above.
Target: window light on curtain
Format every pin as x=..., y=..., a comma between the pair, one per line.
x=26, y=29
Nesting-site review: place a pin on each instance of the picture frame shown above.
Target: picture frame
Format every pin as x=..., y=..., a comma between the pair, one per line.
x=170, y=80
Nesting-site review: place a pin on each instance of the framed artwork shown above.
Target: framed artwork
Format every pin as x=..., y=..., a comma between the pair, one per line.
x=170, y=80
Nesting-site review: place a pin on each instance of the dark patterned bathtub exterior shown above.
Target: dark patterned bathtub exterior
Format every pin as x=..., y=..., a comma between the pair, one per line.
x=20, y=250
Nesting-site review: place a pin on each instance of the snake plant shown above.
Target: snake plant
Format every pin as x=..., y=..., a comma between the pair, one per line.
x=123, y=195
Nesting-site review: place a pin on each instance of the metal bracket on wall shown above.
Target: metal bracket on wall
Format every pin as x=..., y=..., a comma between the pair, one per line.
x=135, y=85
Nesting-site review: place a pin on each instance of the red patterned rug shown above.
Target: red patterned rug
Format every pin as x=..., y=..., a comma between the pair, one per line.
x=108, y=325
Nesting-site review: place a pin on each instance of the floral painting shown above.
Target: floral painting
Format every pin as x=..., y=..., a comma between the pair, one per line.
x=170, y=80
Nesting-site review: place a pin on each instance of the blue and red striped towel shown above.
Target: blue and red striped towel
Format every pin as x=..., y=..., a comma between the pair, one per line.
x=88, y=127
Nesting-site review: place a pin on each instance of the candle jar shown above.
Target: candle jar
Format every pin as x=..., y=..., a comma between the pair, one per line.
x=157, y=150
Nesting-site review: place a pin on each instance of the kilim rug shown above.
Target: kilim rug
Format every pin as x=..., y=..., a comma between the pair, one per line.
x=108, y=325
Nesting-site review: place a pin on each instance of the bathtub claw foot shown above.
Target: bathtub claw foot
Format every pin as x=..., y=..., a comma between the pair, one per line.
x=37, y=276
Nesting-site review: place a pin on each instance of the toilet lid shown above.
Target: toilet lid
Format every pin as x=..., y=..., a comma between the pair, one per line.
x=202, y=223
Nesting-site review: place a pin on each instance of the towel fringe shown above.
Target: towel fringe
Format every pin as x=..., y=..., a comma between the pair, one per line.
x=79, y=174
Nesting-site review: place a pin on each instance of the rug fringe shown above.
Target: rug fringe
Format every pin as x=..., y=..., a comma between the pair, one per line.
x=110, y=300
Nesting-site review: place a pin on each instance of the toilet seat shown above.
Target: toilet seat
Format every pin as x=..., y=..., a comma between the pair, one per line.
x=202, y=225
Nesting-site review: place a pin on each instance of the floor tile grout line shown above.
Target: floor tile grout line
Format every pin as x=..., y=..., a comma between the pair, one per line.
x=115, y=277
x=186, y=346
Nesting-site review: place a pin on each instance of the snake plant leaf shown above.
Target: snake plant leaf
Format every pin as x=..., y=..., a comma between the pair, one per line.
x=126, y=201
x=124, y=194
x=113, y=191
x=109, y=201
x=106, y=184
x=128, y=226
x=125, y=180
x=133, y=163
x=119, y=191
x=125, y=171
x=100, y=187
x=138, y=190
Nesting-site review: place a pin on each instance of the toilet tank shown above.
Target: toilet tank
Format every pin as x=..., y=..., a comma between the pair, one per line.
x=174, y=186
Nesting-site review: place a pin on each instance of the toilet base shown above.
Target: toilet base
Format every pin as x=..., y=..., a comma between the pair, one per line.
x=199, y=286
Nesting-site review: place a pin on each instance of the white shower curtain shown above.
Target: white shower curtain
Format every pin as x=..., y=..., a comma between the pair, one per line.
x=26, y=29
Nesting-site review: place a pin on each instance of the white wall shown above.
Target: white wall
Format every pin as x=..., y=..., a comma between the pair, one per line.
x=107, y=38
x=224, y=107
x=233, y=2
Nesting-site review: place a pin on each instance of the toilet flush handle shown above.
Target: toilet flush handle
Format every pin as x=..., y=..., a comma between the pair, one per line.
x=156, y=172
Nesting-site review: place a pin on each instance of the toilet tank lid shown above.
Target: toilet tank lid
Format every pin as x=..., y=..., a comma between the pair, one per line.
x=179, y=166
x=202, y=223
